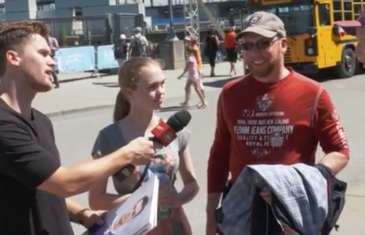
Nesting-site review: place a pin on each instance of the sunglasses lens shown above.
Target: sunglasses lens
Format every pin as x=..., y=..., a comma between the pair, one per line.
x=263, y=45
x=247, y=46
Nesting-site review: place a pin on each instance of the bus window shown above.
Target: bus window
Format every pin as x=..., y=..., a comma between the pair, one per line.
x=347, y=9
x=337, y=10
x=324, y=14
x=357, y=9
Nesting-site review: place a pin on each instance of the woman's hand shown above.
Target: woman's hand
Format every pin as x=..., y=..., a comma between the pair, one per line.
x=89, y=218
x=168, y=198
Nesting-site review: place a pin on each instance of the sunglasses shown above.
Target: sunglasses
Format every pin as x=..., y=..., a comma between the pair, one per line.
x=259, y=45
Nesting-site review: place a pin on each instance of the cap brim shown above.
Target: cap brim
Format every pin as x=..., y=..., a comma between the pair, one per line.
x=348, y=23
x=257, y=30
x=187, y=39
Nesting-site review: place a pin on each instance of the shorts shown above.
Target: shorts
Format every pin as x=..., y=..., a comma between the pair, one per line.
x=231, y=55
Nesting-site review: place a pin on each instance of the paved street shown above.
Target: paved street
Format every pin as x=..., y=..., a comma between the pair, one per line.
x=90, y=93
x=76, y=133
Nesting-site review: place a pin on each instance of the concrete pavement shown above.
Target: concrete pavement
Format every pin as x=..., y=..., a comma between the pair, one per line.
x=76, y=133
x=82, y=93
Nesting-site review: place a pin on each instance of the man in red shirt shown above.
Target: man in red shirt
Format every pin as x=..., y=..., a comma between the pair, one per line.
x=231, y=50
x=271, y=116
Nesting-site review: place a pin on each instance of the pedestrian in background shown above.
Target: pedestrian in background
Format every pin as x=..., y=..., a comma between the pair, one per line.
x=193, y=42
x=211, y=46
x=121, y=50
x=231, y=49
x=193, y=79
x=139, y=44
x=53, y=44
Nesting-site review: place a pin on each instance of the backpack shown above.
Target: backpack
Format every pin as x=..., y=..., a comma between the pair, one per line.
x=211, y=45
x=138, y=47
x=119, y=49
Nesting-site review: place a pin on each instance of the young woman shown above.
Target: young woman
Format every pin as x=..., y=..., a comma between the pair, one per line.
x=193, y=42
x=142, y=88
x=194, y=78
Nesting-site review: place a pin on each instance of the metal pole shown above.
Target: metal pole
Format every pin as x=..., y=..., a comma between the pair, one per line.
x=245, y=71
x=171, y=36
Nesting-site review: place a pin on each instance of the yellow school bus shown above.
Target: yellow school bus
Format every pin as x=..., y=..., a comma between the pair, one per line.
x=315, y=42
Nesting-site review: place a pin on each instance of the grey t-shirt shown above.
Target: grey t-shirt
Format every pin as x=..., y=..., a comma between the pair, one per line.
x=110, y=139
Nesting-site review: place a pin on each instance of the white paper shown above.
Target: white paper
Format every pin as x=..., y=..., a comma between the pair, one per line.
x=136, y=216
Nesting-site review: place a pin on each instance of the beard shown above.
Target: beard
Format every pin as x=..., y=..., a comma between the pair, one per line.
x=266, y=69
x=37, y=80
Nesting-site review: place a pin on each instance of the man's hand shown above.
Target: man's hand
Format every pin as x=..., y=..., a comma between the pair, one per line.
x=88, y=218
x=211, y=224
x=141, y=150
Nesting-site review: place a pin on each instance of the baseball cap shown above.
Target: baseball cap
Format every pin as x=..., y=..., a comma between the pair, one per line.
x=263, y=23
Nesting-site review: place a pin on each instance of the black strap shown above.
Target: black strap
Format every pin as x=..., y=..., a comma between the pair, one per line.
x=143, y=176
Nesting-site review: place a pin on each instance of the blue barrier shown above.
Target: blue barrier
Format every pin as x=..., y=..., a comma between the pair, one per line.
x=76, y=59
x=105, y=58
x=89, y=58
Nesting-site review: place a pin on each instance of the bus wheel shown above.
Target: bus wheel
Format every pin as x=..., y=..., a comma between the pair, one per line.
x=347, y=66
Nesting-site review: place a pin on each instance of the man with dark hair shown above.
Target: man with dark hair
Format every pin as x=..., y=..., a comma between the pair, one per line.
x=33, y=184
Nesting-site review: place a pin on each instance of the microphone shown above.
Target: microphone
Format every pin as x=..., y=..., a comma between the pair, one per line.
x=164, y=134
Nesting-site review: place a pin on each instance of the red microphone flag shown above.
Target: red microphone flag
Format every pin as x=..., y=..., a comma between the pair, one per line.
x=164, y=133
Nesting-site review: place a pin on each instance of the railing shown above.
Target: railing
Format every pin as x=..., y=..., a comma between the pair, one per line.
x=96, y=58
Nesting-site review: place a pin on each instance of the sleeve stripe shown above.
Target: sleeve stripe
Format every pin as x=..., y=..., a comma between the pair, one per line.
x=315, y=106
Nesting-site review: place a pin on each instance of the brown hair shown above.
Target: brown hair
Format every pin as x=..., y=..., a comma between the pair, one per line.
x=14, y=34
x=128, y=76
